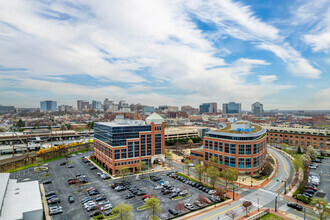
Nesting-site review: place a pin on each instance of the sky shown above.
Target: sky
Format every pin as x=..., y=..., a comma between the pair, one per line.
x=166, y=52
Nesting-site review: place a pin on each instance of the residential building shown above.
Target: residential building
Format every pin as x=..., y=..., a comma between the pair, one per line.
x=81, y=104
x=208, y=108
x=97, y=105
x=48, y=105
x=240, y=145
x=231, y=108
x=257, y=109
x=125, y=142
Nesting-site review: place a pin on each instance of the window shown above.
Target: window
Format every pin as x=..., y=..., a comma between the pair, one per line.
x=136, y=149
x=233, y=148
x=211, y=145
x=123, y=153
x=130, y=149
x=248, y=162
x=241, y=149
x=232, y=162
x=206, y=156
x=226, y=148
x=255, y=149
x=158, y=144
x=220, y=159
x=296, y=143
x=117, y=154
x=226, y=161
x=255, y=161
x=206, y=144
x=308, y=143
x=210, y=156
x=216, y=145
x=220, y=147
x=216, y=157
x=248, y=149
x=302, y=143
x=240, y=162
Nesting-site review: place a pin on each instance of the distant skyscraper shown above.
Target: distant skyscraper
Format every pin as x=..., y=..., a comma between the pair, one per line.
x=48, y=105
x=257, y=109
x=97, y=105
x=148, y=109
x=7, y=109
x=65, y=108
x=81, y=104
x=231, y=108
x=208, y=108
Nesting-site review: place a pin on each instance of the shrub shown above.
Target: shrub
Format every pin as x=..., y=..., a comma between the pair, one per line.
x=304, y=199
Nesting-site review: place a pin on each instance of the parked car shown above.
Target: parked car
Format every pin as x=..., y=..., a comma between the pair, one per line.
x=158, y=187
x=295, y=206
x=47, y=182
x=310, y=191
x=307, y=195
x=61, y=164
x=189, y=206
x=93, y=168
x=71, y=199
x=211, y=192
x=104, y=202
x=146, y=196
x=71, y=166
x=317, y=161
x=121, y=188
x=108, y=212
x=100, y=198
x=50, y=193
x=173, y=211
x=55, y=211
x=207, y=200
x=311, y=187
x=106, y=207
x=95, y=214
x=312, y=166
x=140, y=193
x=54, y=201
x=198, y=203
x=128, y=196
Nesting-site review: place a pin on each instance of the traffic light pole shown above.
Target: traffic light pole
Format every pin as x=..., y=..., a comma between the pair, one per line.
x=276, y=204
x=284, y=187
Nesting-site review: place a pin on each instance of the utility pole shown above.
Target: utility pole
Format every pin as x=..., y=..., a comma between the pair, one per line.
x=284, y=187
x=234, y=193
x=276, y=204
x=304, y=213
x=258, y=204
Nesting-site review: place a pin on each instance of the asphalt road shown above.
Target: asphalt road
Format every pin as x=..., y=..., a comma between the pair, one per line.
x=264, y=197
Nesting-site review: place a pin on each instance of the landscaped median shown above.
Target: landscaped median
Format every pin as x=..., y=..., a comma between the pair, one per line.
x=142, y=207
x=154, y=217
x=179, y=197
x=105, y=217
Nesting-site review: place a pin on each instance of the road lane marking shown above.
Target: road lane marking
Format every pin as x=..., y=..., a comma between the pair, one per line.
x=287, y=175
x=307, y=215
x=222, y=212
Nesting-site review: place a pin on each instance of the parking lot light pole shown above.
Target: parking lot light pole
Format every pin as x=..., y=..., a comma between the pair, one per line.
x=304, y=213
x=276, y=204
x=234, y=193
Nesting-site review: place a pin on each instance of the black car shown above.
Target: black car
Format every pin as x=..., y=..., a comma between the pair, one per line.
x=193, y=184
x=61, y=164
x=206, y=190
x=212, y=199
x=71, y=166
x=129, y=196
x=121, y=188
x=310, y=191
x=47, y=182
x=94, y=214
x=173, y=211
x=93, y=168
x=71, y=199
x=295, y=206
x=317, y=161
x=172, y=195
x=50, y=193
x=54, y=201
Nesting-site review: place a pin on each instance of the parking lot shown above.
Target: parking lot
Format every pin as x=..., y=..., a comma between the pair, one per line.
x=60, y=174
x=324, y=173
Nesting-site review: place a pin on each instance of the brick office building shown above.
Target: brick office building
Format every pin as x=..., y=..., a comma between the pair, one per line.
x=319, y=139
x=124, y=142
x=240, y=145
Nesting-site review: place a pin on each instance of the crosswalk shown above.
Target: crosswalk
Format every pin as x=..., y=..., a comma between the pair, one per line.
x=269, y=192
x=255, y=204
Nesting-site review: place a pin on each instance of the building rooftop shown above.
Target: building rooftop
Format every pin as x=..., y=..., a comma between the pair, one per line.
x=20, y=198
x=299, y=130
x=121, y=123
x=228, y=129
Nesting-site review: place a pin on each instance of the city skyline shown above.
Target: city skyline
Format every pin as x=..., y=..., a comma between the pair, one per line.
x=166, y=53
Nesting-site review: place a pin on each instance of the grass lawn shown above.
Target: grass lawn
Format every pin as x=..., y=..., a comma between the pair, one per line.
x=99, y=165
x=142, y=207
x=179, y=197
x=196, y=181
x=105, y=217
x=271, y=216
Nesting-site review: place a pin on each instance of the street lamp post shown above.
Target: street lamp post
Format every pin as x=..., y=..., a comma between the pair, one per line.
x=276, y=204
x=304, y=213
x=258, y=204
x=234, y=193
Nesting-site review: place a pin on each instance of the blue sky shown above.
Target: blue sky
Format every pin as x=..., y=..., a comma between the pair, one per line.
x=166, y=52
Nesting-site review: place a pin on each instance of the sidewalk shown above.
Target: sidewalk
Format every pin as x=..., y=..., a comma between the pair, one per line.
x=44, y=202
x=282, y=214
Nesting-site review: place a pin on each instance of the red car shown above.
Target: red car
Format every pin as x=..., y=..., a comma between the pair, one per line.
x=89, y=189
x=145, y=196
x=72, y=182
x=311, y=187
x=206, y=200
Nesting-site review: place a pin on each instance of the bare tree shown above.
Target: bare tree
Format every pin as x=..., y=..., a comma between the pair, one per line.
x=220, y=192
x=232, y=214
x=180, y=207
x=247, y=206
x=200, y=198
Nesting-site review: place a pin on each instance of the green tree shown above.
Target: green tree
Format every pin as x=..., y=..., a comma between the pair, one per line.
x=297, y=164
x=68, y=126
x=200, y=168
x=320, y=208
x=306, y=160
x=168, y=156
x=311, y=152
x=20, y=123
x=143, y=166
x=124, y=211
x=124, y=171
x=299, y=150
x=153, y=205
x=229, y=175
x=213, y=173
x=213, y=161
x=186, y=163
x=190, y=142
